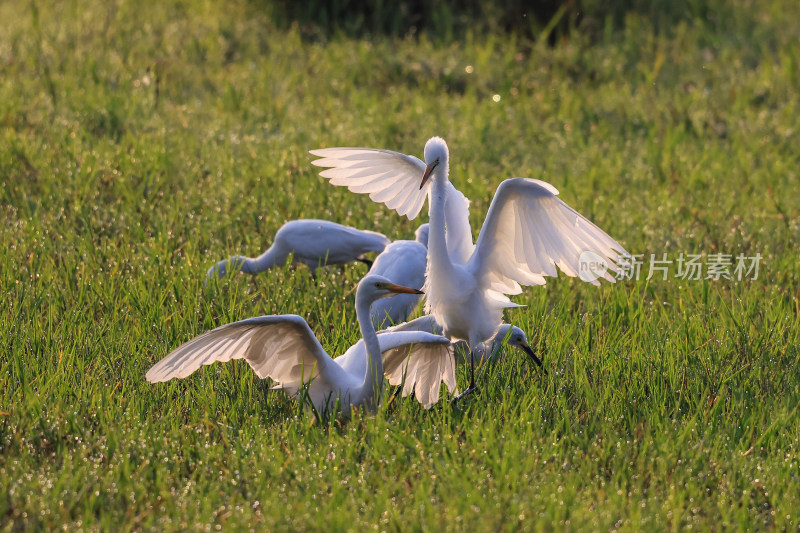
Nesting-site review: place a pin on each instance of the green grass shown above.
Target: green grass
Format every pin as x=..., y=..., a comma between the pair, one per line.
x=141, y=144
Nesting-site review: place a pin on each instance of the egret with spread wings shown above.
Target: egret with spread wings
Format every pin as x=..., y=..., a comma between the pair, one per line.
x=527, y=234
x=283, y=348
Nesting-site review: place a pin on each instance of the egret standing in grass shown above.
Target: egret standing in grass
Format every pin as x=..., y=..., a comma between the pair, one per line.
x=283, y=348
x=528, y=232
x=512, y=336
x=312, y=242
x=403, y=262
x=488, y=351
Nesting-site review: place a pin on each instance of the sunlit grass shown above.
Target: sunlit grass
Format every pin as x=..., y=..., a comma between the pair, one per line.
x=140, y=144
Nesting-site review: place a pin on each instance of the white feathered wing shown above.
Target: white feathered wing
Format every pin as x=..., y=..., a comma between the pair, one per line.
x=284, y=349
x=529, y=231
x=393, y=179
x=280, y=347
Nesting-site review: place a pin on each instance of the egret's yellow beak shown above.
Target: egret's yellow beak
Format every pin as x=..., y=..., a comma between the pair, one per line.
x=427, y=175
x=401, y=289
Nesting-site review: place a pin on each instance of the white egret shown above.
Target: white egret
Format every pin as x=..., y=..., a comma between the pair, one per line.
x=488, y=351
x=312, y=242
x=528, y=232
x=513, y=336
x=283, y=348
x=403, y=262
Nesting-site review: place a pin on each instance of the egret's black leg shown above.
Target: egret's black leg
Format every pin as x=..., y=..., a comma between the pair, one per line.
x=365, y=261
x=471, y=388
x=396, y=393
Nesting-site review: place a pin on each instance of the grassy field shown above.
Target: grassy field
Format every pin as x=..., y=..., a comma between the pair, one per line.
x=140, y=144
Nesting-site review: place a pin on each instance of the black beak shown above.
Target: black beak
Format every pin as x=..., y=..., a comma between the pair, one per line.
x=528, y=350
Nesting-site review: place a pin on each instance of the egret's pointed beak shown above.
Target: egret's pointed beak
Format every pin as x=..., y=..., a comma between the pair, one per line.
x=427, y=175
x=402, y=290
x=528, y=350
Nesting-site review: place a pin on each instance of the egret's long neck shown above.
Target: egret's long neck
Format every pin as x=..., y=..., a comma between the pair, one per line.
x=439, y=263
x=373, y=378
x=272, y=257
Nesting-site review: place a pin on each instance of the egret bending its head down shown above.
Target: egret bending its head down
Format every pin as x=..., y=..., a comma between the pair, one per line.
x=313, y=243
x=488, y=351
x=528, y=232
x=283, y=348
x=513, y=336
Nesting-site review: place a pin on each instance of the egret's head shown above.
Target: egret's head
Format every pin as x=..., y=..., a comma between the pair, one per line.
x=222, y=268
x=376, y=287
x=516, y=337
x=216, y=270
x=435, y=149
x=422, y=234
x=436, y=157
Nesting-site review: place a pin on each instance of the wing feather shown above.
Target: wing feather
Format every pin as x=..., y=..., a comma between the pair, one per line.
x=388, y=177
x=393, y=179
x=281, y=347
x=420, y=362
x=529, y=231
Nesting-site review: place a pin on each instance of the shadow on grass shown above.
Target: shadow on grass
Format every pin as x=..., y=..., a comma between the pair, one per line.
x=542, y=20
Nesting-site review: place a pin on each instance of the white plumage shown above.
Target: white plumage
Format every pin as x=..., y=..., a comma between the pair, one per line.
x=488, y=351
x=405, y=263
x=528, y=232
x=283, y=348
x=311, y=242
x=393, y=179
x=388, y=177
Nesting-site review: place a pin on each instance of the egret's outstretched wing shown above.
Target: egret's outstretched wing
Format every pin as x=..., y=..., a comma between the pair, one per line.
x=388, y=177
x=420, y=362
x=281, y=347
x=393, y=179
x=529, y=231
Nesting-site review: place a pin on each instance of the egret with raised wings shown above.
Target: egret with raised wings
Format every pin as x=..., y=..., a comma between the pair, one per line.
x=283, y=348
x=312, y=242
x=528, y=232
